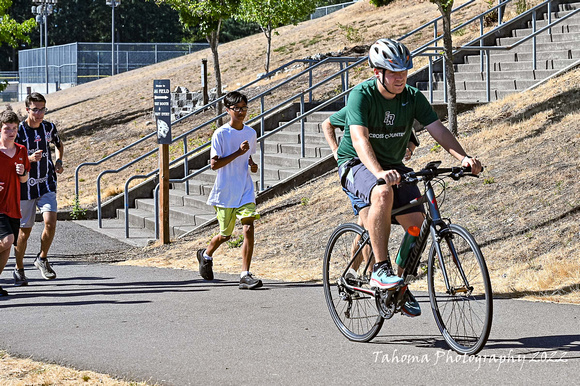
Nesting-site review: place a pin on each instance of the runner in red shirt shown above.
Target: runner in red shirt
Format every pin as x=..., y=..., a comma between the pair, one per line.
x=14, y=167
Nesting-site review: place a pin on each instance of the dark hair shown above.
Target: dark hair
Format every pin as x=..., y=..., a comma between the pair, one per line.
x=8, y=116
x=234, y=97
x=34, y=97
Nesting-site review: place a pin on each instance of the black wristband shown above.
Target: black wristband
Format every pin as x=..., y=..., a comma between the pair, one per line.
x=58, y=161
x=23, y=174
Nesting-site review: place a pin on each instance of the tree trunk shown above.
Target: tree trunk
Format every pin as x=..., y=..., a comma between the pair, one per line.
x=213, y=40
x=450, y=73
x=268, y=33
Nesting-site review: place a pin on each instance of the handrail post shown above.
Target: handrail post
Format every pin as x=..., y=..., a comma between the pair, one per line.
x=342, y=85
x=481, y=44
x=430, y=79
x=99, y=217
x=435, y=33
x=126, y=208
x=262, y=144
x=534, y=40
x=347, y=81
x=310, y=81
x=302, y=139
x=185, y=164
x=550, y=18
x=487, y=76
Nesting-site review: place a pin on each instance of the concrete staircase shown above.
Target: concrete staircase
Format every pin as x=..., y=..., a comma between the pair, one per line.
x=282, y=162
x=512, y=71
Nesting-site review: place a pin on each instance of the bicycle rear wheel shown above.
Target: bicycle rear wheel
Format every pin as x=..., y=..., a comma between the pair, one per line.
x=463, y=313
x=354, y=312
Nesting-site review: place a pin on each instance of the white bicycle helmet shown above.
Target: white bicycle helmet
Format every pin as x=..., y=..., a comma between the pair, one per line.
x=390, y=55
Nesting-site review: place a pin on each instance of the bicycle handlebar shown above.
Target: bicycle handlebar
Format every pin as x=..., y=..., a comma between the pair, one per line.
x=432, y=170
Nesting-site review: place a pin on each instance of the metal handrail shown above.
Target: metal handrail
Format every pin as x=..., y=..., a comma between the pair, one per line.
x=263, y=114
x=261, y=139
x=195, y=112
x=485, y=65
x=211, y=104
x=342, y=72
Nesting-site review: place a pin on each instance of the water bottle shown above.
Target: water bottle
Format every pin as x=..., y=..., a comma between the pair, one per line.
x=407, y=245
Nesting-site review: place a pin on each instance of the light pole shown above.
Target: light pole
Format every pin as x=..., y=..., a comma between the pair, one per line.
x=113, y=4
x=42, y=11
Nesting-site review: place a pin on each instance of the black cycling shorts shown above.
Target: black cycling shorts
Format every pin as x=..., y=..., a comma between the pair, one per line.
x=8, y=226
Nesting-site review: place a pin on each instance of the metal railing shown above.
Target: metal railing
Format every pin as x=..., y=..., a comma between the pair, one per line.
x=261, y=117
x=485, y=50
x=343, y=73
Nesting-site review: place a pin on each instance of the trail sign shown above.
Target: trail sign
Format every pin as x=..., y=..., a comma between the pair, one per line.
x=162, y=109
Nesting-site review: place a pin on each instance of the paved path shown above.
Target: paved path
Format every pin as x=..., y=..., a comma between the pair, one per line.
x=171, y=327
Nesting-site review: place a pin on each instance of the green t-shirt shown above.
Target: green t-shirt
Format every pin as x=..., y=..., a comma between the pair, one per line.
x=389, y=121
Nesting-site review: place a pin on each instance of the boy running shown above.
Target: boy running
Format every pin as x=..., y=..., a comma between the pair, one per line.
x=232, y=195
x=14, y=167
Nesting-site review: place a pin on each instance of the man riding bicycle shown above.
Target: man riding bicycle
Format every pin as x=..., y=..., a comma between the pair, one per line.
x=378, y=124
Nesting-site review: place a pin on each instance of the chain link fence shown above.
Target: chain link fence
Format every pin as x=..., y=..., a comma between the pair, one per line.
x=77, y=63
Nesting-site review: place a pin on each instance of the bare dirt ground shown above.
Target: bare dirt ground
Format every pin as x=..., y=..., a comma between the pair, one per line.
x=524, y=211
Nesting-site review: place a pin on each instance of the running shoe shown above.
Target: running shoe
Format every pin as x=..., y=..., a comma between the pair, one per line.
x=44, y=267
x=411, y=307
x=205, y=266
x=383, y=277
x=20, y=278
x=250, y=282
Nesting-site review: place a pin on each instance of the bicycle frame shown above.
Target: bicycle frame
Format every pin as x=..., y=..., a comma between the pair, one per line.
x=433, y=225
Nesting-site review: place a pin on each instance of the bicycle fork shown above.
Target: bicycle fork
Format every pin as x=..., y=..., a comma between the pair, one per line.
x=444, y=234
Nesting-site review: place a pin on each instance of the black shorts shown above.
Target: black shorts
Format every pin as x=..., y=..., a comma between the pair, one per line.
x=358, y=180
x=8, y=226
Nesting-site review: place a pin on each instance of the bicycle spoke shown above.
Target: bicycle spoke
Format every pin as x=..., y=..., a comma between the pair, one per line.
x=345, y=259
x=462, y=311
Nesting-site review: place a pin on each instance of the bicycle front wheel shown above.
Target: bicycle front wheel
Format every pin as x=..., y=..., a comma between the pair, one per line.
x=354, y=312
x=462, y=309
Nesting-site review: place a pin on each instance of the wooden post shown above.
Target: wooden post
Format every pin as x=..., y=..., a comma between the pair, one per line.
x=162, y=109
x=164, y=193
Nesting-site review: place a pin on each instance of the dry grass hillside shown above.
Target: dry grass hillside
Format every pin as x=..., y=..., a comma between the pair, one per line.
x=524, y=210
x=99, y=118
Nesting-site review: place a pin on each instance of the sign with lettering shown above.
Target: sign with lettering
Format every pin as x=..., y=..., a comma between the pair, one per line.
x=162, y=109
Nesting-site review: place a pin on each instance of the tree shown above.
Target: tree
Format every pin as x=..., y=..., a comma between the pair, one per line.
x=206, y=16
x=12, y=32
x=271, y=14
x=445, y=7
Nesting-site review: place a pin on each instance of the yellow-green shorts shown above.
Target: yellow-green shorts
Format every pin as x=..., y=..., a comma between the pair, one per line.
x=227, y=216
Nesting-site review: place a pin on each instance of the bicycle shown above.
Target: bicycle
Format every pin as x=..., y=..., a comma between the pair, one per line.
x=459, y=287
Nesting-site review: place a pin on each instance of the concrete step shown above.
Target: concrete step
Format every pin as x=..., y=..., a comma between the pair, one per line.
x=285, y=160
x=176, y=228
x=471, y=96
x=541, y=64
x=185, y=214
x=509, y=56
x=319, y=116
x=295, y=149
x=499, y=75
x=543, y=38
x=294, y=137
x=310, y=127
x=541, y=23
x=556, y=30
x=511, y=85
